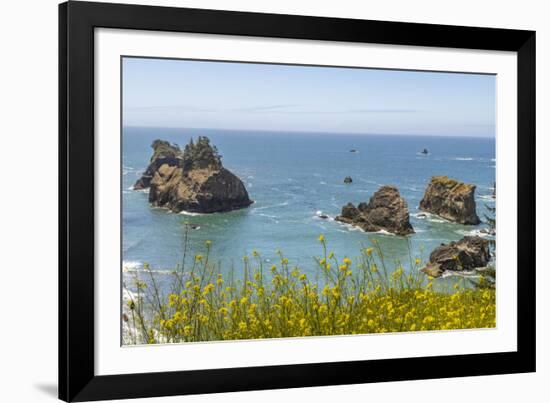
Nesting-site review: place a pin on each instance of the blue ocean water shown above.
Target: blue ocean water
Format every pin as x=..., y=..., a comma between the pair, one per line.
x=292, y=178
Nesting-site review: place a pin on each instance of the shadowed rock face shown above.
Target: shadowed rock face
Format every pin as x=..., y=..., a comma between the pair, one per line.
x=164, y=154
x=193, y=180
x=386, y=210
x=451, y=200
x=467, y=254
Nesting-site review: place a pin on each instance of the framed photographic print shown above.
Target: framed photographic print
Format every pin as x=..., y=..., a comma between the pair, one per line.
x=255, y=201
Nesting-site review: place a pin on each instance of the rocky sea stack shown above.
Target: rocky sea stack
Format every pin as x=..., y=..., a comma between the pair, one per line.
x=386, y=210
x=450, y=199
x=469, y=253
x=191, y=180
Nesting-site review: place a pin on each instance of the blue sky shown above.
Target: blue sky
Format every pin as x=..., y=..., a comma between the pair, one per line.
x=245, y=96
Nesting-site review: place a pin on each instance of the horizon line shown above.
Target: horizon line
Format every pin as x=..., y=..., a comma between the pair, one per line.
x=312, y=132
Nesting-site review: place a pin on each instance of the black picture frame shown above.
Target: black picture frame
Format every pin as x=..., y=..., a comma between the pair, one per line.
x=77, y=21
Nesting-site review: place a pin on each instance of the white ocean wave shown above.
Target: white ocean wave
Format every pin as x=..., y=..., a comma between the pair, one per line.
x=325, y=217
x=271, y=206
x=271, y=217
x=412, y=189
x=384, y=232
x=131, y=265
x=463, y=159
x=190, y=213
x=146, y=190
x=463, y=274
x=366, y=181
x=475, y=232
x=422, y=215
x=437, y=220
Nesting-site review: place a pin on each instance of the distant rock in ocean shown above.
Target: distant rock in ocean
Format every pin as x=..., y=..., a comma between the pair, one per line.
x=353, y=150
x=386, y=210
x=193, y=180
x=450, y=199
x=425, y=151
x=467, y=254
x=348, y=179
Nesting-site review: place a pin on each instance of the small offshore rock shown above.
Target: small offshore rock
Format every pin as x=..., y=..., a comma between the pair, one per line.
x=467, y=254
x=386, y=210
x=348, y=179
x=451, y=199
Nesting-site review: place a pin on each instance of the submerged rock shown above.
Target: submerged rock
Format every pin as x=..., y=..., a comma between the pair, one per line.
x=348, y=179
x=469, y=253
x=386, y=210
x=450, y=199
x=193, y=180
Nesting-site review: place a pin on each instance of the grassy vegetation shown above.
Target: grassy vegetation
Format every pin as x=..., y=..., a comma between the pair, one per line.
x=345, y=296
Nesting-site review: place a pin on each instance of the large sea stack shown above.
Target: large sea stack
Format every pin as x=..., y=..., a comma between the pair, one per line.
x=386, y=210
x=193, y=180
x=450, y=199
x=469, y=253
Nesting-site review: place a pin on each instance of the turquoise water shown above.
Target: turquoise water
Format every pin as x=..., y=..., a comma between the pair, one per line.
x=292, y=178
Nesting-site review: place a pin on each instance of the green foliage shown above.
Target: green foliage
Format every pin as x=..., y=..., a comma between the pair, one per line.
x=345, y=296
x=201, y=155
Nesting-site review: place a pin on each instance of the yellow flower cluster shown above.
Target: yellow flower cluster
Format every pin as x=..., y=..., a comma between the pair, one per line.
x=361, y=297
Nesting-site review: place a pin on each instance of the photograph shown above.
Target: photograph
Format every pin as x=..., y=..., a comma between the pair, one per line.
x=264, y=201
